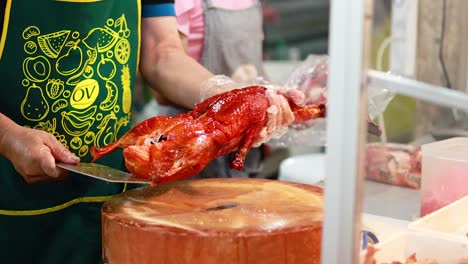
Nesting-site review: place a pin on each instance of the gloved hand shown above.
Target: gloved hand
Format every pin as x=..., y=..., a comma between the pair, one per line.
x=34, y=152
x=216, y=85
x=279, y=113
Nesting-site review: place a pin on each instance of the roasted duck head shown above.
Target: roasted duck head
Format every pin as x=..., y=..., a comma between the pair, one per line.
x=167, y=149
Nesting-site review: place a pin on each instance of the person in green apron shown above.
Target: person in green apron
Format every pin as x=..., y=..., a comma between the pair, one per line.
x=67, y=72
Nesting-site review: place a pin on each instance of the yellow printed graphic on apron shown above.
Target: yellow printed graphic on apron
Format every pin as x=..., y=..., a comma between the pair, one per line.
x=77, y=80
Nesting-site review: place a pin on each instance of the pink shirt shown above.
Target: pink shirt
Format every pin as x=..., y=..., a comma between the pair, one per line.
x=191, y=21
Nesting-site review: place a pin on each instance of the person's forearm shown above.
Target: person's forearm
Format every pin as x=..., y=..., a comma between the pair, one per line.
x=165, y=65
x=178, y=77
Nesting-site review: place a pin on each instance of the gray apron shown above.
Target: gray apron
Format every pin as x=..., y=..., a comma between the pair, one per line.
x=232, y=38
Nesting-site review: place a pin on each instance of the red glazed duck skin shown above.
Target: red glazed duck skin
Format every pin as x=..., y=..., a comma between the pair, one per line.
x=215, y=221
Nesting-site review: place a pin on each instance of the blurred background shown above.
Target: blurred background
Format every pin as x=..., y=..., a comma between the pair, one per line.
x=294, y=29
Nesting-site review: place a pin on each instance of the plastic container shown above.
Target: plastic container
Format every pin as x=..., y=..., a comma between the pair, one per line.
x=450, y=222
x=444, y=174
x=426, y=246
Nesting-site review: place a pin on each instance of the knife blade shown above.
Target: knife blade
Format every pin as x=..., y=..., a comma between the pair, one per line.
x=102, y=172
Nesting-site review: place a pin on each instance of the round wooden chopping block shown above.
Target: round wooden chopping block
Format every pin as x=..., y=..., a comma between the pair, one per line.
x=215, y=221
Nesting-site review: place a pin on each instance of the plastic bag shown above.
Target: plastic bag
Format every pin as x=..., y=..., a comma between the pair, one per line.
x=311, y=78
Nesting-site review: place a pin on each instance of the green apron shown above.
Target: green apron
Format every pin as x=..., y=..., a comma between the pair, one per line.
x=68, y=68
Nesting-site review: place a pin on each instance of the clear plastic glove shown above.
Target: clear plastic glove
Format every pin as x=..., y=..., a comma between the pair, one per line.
x=279, y=113
x=311, y=77
x=216, y=85
x=34, y=152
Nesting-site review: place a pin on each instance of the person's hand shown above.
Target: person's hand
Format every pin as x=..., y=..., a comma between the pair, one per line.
x=216, y=85
x=279, y=113
x=245, y=74
x=34, y=152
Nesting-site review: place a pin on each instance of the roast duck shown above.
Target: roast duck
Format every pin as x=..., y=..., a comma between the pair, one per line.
x=165, y=149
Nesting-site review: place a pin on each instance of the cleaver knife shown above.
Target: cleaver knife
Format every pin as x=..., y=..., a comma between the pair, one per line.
x=102, y=172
